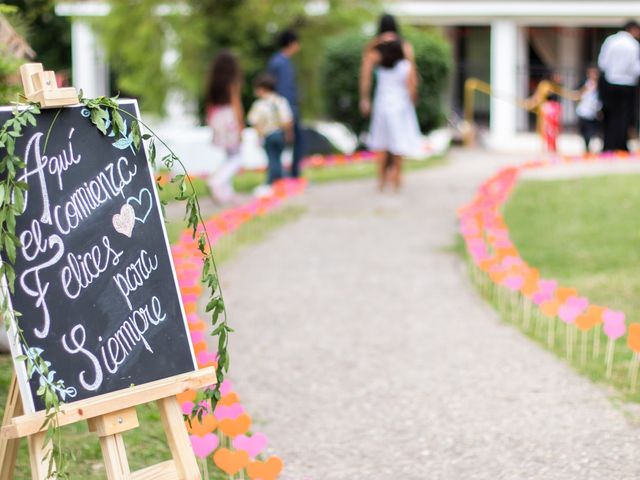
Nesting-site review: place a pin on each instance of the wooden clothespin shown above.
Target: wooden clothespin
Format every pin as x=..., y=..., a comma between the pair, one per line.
x=41, y=87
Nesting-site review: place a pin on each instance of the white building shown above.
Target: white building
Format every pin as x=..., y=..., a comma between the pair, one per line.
x=512, y=44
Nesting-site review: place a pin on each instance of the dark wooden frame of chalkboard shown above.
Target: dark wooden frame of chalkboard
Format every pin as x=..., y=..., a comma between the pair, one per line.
x=112, y=413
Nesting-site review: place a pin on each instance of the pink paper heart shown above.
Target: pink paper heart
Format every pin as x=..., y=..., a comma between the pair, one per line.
x=205, y=357
x=231, y=411
x=197, y=336
x=572, y=308
x=614, y=330
x=204, y=446
x=614, y=324
x=511, y=261
x=513, y=282
x=187, y=408
x=253, y=445
x=225, y=388
x=613, y=316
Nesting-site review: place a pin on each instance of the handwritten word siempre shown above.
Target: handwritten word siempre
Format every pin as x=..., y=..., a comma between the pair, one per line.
x=116, y=348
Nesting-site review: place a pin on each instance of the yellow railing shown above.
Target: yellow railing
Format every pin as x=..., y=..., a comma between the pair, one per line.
x=532, y=104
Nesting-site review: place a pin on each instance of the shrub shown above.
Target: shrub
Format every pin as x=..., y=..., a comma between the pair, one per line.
x=341, y=70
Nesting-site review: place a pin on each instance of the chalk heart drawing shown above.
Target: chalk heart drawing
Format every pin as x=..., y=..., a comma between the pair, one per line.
x=124, y=221
x=141, y=204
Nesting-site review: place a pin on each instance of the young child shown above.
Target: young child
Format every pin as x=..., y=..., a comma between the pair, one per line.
x=271, y=116
x=225, y=117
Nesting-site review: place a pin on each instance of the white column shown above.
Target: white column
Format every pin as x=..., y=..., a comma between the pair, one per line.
x=522, y=63
x=90, y=70
x=569, y=67
x=504, y=81
x=179, y=106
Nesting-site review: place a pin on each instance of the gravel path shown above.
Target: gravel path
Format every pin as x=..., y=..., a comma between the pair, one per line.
x=364, y=353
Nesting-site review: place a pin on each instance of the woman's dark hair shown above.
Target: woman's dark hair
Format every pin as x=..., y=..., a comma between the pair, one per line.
x=391, y=52
x=223, y=72
x=265, y=81
x=388, y=24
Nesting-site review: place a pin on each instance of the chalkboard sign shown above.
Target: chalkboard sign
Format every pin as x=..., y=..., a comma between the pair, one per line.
x=96, y=284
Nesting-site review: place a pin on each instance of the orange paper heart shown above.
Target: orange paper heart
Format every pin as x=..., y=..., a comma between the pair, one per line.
x=188, y=396
x=563, y=293
x=229, y=461
x=234, y=427
x=633, y=340
x=268, y=470
x=590, y=318
x=229, y=399
x=201, y=428
x=550, y=307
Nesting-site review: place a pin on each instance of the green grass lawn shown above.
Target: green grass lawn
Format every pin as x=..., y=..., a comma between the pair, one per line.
x=146, y=445
x=586, y=234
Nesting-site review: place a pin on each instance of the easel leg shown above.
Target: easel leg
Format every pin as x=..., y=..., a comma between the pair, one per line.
x=9, y=448
x=38, y=456
x=178, y=439
x=115, y=457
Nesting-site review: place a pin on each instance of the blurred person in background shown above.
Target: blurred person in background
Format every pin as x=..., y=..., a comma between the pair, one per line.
x=619, y=61
x=588, y=108
x=393, y=131
x=271, y=116
x=225, y=117
x=281, y=67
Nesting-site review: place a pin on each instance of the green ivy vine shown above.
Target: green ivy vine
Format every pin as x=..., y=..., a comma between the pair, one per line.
x=12, y=193
x=104, y=113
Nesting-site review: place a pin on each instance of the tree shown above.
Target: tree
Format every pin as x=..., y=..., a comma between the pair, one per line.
x=199, y=28
x=48, y=34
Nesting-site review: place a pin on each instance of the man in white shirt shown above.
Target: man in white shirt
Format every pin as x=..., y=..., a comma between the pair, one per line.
x=619, y=61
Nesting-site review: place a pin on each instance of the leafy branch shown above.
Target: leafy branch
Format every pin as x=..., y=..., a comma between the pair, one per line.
x=13, y=190
x=105, y=114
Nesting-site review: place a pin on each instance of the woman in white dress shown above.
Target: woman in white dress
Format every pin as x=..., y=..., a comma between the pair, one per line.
x=394, y=131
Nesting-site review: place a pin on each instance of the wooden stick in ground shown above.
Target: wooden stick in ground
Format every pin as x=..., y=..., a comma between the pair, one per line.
x=205, y=469
x=597, y=331
x=539, y=332
x=502, y=301
x=526, y=303
x=583, y=353
x=633, y=369
x=551, y=332
x=610, y=353
x=569, y=341
x=513, y=307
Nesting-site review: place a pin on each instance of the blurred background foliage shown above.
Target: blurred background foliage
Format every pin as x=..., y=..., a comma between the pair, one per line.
x=197, y=29
x=48, y=35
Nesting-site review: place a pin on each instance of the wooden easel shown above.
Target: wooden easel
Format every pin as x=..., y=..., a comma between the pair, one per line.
x=109, y=416
x=41, y=87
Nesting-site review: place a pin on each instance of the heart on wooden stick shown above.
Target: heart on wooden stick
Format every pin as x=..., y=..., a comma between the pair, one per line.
x=229, y=461
x=124, y=221
x=268, y=470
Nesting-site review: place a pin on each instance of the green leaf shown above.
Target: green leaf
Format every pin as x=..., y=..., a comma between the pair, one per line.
x=18, y=199
x=10, y=249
